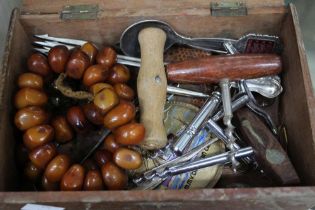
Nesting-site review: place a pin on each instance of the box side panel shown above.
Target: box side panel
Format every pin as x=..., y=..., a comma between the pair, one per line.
x=296, y=100
x=238, y=199
x=44, y=6
x=13, y=63
x=108, y=28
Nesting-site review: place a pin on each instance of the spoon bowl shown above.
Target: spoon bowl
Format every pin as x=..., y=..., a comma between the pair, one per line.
x=129, y=43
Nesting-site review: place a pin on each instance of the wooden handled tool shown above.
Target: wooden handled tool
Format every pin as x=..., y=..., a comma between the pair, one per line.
x=268, y=151
x=151, y=87
x=233, y=67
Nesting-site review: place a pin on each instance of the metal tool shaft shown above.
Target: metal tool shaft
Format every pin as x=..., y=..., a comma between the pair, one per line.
x=236, y=104
x=184, y=158
x=194, y=127
x=207, y=162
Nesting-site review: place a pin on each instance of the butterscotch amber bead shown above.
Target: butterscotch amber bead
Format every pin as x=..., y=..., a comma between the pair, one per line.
x=89, y=49
x=95, y=74
x=58, y=57
x=106, y=99
x=31, y=172
x=119, y=115
x=63, y=131
x=110, y=144
x=41, y=156
x=93, y=113
x=102, y=156
x=106, y=57
x=38, y=136
x=119, y=74
x=77, y=64
x=98, y=87
x=76, y=118
x=30, y=97
x=38, y=64
x=130, y=134
x=93, y=181
x=49, y=186
x=114, y=177
x=30, y=80
x=57, y=167
x=73, y=179
x=29, y=117
x=124, y=91
x=127, y=158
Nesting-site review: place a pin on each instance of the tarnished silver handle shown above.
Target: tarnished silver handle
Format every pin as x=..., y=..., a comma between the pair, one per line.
x=206, y=162
x=193, y=128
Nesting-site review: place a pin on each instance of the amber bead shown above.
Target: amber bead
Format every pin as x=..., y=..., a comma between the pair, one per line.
x=127, y=158
x=110, y=144
x=57, y=58
x=119, y=115
x=130, y=134
x=21, y=154
x=106, y=57
x=93, y=181
x=95, y=74
x=93, y=113
x=73, y=179
x=124, y=91
x=37, y=63
x=106, y=99
x=30, y=97
x=38, y=136
x=49, y=186
x=89, y=49
x=57, y=167
x=98, y=87
x=118, y=74
x=114, y=178
x=63, y=131
x=102, y=156
x=90, y=164
x=77, y=64
x=29, y=117
x=30, y=80
x=41, y=156
x=31, y=172
x=76, y=118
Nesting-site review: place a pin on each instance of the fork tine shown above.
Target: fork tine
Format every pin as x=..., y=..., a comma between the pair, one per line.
x=62, y=40
x=41, y=50
x=51, y=44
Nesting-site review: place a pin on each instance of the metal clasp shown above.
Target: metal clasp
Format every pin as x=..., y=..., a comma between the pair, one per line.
x=225, y=8
x=79, y=12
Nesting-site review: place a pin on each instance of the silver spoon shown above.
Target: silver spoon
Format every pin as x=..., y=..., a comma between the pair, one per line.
x=130, y=46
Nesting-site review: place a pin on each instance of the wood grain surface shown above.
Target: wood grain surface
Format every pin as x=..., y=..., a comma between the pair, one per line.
x=215, y=68
x=268, y=151
x=151, y=87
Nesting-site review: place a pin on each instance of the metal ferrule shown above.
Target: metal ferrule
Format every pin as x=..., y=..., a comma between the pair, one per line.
x=192, y=129
x=223, y=159
x=236, y=104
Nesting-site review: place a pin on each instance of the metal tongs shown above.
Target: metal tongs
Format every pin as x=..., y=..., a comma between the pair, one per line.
x=50, y=42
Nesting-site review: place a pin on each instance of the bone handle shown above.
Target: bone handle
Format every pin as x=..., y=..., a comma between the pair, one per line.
x=151, y=85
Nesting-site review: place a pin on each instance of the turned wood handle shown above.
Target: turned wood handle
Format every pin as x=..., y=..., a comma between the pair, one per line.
x=268, y=152
x=151, y=86
x=215, y=68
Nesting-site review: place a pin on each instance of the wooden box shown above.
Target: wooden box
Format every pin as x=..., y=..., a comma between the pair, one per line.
x=188, y=17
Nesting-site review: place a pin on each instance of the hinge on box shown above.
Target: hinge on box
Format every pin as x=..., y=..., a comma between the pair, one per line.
x=79, y=12
x=225, y=8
